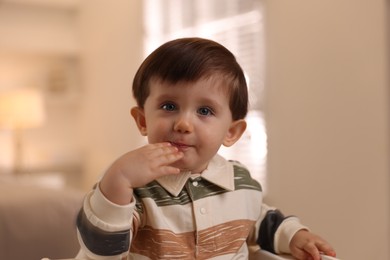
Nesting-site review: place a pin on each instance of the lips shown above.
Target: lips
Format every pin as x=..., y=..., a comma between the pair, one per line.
x=181, y=146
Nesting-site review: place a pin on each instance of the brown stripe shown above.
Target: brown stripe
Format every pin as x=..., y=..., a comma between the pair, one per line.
x=163, y=244
x=222, y=239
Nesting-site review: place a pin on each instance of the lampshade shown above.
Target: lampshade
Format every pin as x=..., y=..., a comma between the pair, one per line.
x=21, y=108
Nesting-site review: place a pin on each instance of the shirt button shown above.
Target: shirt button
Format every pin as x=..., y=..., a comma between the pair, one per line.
x=195, y=183
x=203, y=211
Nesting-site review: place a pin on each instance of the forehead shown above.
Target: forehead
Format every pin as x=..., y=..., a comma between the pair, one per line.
x=212, y=83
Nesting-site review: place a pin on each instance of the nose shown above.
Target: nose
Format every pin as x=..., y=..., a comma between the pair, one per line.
x=183, y=124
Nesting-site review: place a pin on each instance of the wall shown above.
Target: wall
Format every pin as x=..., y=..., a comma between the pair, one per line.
x=39, y=50
x=327, y=117
x=111, y=51
x=99, y=41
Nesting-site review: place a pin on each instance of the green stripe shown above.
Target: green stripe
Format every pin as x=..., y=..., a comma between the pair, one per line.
x=162, y=197
x=203, y=189
x=243, y=179
x=154, y=191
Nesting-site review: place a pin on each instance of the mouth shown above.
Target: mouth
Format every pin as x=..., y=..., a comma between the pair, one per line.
x=181, y=146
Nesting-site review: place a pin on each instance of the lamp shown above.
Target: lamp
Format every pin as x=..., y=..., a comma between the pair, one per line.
x=20, y=109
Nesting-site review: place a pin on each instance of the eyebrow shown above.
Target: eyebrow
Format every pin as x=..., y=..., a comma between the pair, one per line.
x=165, y=97
x=212, y=103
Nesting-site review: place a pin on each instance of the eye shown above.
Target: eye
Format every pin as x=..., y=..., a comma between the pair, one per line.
x=205, y=111
x=168, y=107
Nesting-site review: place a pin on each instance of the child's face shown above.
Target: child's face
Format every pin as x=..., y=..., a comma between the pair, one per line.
x=195, y=117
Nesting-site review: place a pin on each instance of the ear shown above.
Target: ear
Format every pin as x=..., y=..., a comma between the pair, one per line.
x=237, y=128
x=139, y=118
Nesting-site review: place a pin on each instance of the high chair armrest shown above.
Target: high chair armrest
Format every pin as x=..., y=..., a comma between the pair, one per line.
x=265, y=255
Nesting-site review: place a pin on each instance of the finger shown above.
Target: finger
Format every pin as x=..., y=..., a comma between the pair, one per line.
x=161, y=149
x=165, y=159
x=312, y=250
x=169, y=170
x=154, y=147
x=171, y=157
x=326, y=249
x=299, y=253
x=164, y=169
x=160, y=144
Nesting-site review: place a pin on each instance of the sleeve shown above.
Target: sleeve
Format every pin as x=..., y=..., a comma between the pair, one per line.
x=275, y=231
x=104, y=229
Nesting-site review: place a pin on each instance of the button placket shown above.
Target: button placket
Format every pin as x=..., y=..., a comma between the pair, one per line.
x=201, y=212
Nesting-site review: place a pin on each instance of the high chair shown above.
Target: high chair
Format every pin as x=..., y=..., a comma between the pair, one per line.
x=259, y=255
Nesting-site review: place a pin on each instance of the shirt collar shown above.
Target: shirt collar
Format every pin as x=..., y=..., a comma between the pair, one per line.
x=219, y=172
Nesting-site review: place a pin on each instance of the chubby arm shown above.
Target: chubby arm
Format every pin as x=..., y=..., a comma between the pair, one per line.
x=104, y=228
x=306, y=245
x=108, y=215
x=280, y=234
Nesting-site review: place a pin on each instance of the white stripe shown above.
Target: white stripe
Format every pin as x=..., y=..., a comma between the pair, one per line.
x=208, y=212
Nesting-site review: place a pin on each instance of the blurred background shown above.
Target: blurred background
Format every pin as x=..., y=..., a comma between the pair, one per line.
x=318, y=135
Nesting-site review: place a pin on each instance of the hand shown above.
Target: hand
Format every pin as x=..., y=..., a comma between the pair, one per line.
x=137, y=168
x=308, y=246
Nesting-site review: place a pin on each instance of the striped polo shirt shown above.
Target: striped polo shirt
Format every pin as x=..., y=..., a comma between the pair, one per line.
x=217, y=214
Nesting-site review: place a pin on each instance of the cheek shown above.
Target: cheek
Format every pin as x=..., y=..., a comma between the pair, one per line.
x=156, y=129
x=213, y=137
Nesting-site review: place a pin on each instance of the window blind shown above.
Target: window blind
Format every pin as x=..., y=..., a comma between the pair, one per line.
x=236, y=24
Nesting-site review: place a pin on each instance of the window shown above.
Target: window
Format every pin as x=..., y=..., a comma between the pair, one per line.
x=238, y=25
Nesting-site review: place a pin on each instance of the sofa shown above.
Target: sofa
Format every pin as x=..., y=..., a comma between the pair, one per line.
x=37, y=221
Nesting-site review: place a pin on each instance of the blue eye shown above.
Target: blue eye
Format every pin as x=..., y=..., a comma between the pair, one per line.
x=168, y=107
x=205, y=111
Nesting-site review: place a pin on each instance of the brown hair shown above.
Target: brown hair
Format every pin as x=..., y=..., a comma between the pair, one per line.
x=190, y=59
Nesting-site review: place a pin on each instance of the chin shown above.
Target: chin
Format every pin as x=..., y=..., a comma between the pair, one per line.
x=191, y=163
x=183, y=166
